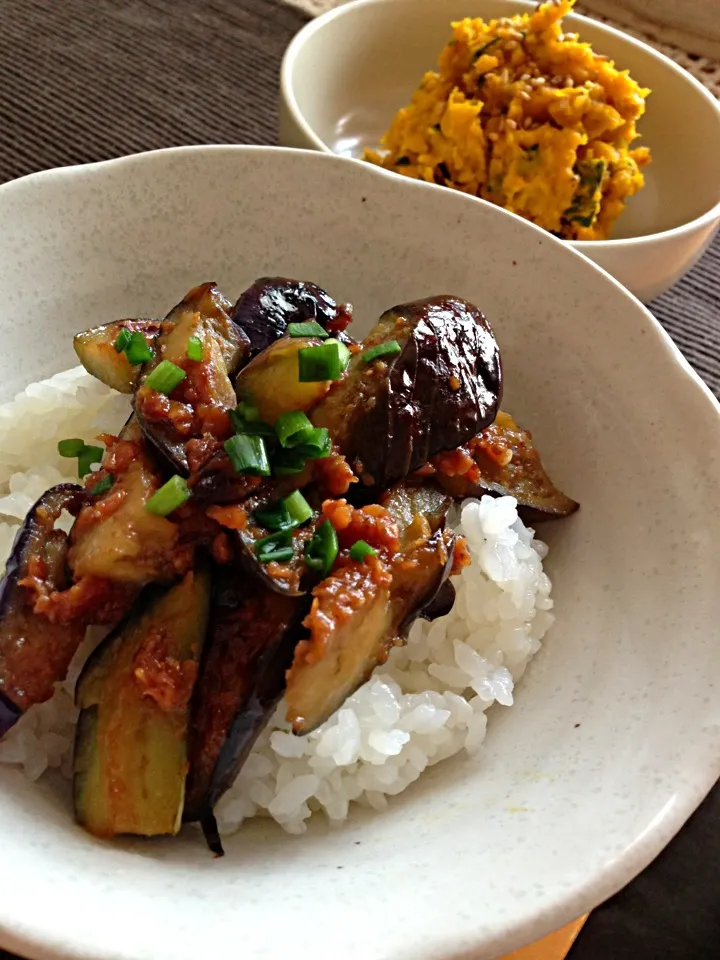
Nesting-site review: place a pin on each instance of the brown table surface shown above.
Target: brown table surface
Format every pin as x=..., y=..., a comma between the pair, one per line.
x=82, y=81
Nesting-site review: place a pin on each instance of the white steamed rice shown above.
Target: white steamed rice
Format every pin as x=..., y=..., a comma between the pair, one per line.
x=428, y=702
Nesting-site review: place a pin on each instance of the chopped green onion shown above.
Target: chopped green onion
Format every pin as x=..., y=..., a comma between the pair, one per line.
x=308, y=329
x=123, y=340
x=103, y=485
x=241, y=424
x=137, y=350
x=288, y=463
x=86, y=458
x=275, y=547
x=165, y=377
x=195, y=349
x=388, y=349
x=292, y=428
x=248, y=454
x=327, y=361
x=360, y=550
x=316, y=445
x=322, y=550
x=298, y=507
x=274, y=517
x=71, y=448
x=169, y=497
x=248, y=410
x=277, y=555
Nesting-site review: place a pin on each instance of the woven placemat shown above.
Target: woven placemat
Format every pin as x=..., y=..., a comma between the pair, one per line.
x=83, y=81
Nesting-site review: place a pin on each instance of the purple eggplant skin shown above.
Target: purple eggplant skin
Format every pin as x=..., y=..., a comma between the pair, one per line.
x=252, y=637
x=265, y=309
x=390, y=415
x=34, y=653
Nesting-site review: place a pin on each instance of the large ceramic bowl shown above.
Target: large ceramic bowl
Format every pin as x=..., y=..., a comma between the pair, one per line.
x=346, y=73
x=615, y=735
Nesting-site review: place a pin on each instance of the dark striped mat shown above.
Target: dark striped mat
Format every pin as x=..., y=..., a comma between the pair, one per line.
x=84, y=80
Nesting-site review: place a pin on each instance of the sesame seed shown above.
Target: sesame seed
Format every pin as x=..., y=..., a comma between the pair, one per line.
x=524, y=95
x=569, y=82
x=527, y=123
x=511, y=124
x=525, y=76
x=492, y=136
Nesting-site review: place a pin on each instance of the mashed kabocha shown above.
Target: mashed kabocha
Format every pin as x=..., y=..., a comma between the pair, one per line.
x=528, y=117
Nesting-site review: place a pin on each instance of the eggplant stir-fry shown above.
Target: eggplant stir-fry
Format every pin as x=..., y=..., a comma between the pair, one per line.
x=269, y=523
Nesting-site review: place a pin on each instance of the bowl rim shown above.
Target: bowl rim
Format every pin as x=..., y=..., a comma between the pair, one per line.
x=600, y=883
x=287, y=93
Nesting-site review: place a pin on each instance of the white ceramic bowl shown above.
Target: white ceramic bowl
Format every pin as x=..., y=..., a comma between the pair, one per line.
x=345, y=74
x=615, y=735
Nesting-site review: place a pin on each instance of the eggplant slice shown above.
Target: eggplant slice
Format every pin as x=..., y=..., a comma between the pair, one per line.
x=134, y=693
x=389, y=416
x=253, y=632
x=96, y=351
x=271, y=380
x=197, y=409
x=115, y=537
x=507, y=464
x=35, y=653
x=265, y=309
x=364, y=609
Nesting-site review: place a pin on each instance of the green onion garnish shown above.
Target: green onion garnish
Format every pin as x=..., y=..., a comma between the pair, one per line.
x=324, y=362
x=247, y=410
x=322, y=550
x=360, y=550
x=195, y=349
x=169, y=497
x=315, y=445
x=123, y=340
x=298, y=507
x=87, y=457
x=241, y=424
x=71, y=448
x=137, y=351
x=288, y=462
x=308, y=329
x=274, y=517
x=165, y=377
x=292, y=428
x=276, y=555
x=103, y=486
x=275, y=547
x=388, y=349
x=248, y=454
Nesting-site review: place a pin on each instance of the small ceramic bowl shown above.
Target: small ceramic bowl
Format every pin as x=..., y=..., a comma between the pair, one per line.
x=346, y=73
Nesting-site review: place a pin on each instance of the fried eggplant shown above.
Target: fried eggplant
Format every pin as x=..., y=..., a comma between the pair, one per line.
x=502, y=461
x=253, y=632
x=134, y=693
x=428, y=378
x=34, y=651
x=265, y=309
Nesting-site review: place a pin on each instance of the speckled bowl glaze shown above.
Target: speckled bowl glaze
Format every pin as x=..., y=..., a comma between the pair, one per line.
x=615, y=735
